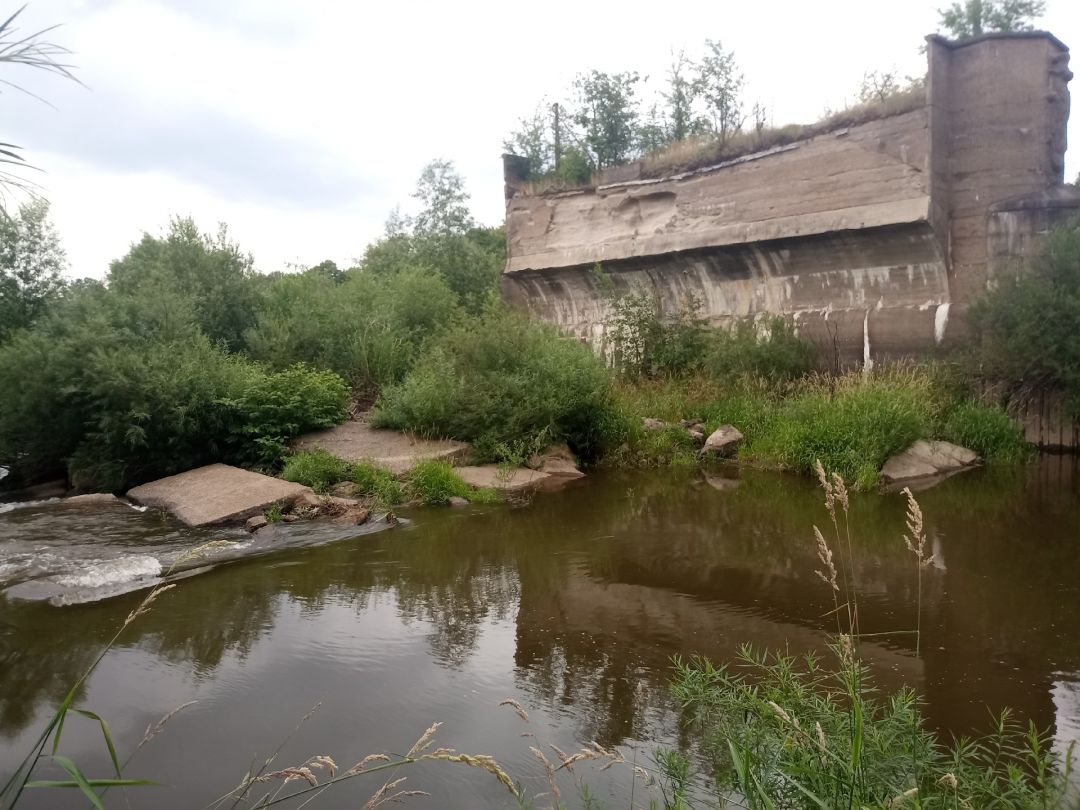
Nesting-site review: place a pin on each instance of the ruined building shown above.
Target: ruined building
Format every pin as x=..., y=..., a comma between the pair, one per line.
x=874, y=237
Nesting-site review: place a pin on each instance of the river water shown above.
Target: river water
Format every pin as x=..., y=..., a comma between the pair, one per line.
x=573, y=605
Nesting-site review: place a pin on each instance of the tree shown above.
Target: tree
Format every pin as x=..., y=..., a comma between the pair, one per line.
x=972, y=18
x=203, y=278
x=442, y=192
x=680, y=97
x=32, y=264
x=607, y=116
x=531, y=142
x=720, y=85
x=878, y=85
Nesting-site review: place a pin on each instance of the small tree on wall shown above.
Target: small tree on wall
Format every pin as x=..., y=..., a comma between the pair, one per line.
x=720, y=85
x=973, y=18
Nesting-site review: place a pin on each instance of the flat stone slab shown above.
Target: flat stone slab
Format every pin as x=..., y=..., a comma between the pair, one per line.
x=216, y=493
x=389, y=449
x=515, y=480
x=924, y=459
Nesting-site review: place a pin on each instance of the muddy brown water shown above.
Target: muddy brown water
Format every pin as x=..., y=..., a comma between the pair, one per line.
x=573, y=604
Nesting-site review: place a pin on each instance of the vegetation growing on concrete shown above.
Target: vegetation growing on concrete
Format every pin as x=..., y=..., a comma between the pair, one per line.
x=317, y=469
x=1026, y=328
x=434, y=483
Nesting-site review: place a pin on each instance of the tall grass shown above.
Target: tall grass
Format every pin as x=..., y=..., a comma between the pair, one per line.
x=785, y=732
x=851, y=423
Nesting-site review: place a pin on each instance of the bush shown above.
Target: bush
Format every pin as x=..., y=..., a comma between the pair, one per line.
x=504, y=381
x=769, y=349
x=317, y=469
x=272, y=408
x=988, y=431
x=1026, y=329
x=375, y=481
x=113, y=391
x=366, y=328
x=641, y=341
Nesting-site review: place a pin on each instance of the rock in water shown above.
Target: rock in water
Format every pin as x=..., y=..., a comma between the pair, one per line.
x=216, y=493
x=924, y=459
x=723, y=442
x=253, y=524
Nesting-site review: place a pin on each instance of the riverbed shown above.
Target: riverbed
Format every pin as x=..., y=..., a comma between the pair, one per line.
x=573, y=604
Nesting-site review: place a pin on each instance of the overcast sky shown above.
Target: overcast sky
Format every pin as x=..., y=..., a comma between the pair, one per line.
x=303, y=123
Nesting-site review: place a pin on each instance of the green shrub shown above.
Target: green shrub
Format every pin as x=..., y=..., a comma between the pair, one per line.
x=641, y=341
x=110, y=389
x=272, y=408
x=1026, y=328
x=434, y=483
x=367, y=328
x=768, y=348
x=380, y=483
x=986, y=430
x=317, y=469
x=852, y=425
x=501, y=381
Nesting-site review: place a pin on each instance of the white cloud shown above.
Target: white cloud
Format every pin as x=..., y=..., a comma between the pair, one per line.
x=302, y=124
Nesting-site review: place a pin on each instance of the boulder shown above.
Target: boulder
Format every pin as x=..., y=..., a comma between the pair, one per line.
x=216, y=493
x=308, y=500
x=928, y=458
x=457, y=501
x=696, y=436
x=557, y=460
x=256, y=522
x=653, y=424
x=723, y=442
x=693, y=424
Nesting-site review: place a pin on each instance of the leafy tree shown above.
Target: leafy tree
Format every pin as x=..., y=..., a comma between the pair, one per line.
x=208, y=275
x=972, y=18
x=442, y=239
x=720, y=84
x=607, y=116
x=445, y=210
x=680, y=97
x=531, y=142
x=32, y=263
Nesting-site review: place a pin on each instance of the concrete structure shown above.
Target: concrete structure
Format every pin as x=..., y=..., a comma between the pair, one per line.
x=356, y=441
x=216, y=493
x=874, y=238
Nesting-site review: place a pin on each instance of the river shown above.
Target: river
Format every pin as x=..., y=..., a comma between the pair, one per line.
x=573, y=604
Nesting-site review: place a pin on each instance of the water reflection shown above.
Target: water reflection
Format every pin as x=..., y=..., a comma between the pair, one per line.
x=579, y=600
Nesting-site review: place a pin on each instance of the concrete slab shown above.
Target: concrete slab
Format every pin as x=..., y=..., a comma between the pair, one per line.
x=515, y=480
x=389, y=449
x=216, y=493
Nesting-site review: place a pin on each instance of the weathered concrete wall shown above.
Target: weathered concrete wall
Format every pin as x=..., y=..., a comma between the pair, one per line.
x=873, y=238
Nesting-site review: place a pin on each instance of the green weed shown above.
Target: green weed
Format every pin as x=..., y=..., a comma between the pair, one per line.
x=317, y=469
x=380, y=483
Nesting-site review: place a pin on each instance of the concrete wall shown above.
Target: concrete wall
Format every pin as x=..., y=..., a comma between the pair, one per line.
x=873, y=238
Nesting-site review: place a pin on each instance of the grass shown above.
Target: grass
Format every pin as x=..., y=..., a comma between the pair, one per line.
x=317, y=469
x=788, y=733
x=377, y=482
x=434, y=483
x=852, y=423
